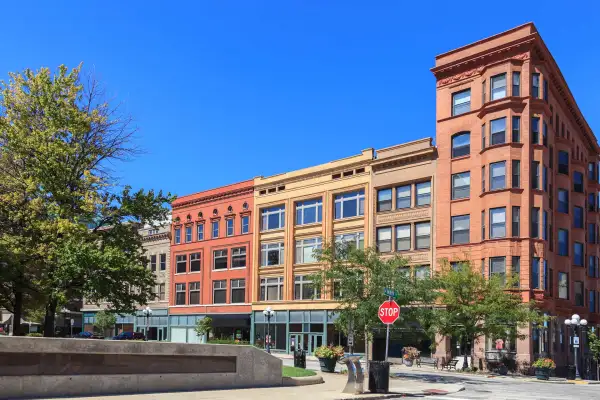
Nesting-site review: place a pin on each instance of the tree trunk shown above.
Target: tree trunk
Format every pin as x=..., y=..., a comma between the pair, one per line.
x=49, y=318
x=17, y=314
x=466, y=360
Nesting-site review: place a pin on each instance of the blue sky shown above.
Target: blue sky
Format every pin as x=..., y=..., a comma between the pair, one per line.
x=223, y=91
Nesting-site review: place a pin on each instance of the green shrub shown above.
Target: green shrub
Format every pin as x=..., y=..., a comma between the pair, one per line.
x=34, y=334
x=228, y=341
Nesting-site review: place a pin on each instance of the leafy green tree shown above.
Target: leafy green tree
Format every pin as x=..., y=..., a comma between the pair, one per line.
x=105, y=320
x=594, y=346
x=203, y=326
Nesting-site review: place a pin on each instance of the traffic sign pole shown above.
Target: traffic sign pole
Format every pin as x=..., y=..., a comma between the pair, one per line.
x=387, y=336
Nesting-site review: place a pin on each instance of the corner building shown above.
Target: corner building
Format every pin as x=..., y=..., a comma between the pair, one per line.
x=517, y=181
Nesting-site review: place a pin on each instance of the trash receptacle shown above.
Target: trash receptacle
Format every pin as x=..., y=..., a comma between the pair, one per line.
x=571, y=372
x=379, y=376
x=300, y=359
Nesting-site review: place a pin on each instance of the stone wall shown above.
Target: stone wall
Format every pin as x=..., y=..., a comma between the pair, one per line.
x=35, y=367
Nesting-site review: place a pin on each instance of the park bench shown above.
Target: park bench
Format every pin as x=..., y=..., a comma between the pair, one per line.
x=427, y=361
x=450, y=364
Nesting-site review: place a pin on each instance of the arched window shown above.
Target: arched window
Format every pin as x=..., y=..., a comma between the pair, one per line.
x=229, y=209
x=200, y=215
x=461, y=144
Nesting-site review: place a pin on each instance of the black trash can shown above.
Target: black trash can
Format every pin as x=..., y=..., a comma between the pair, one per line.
x=379, y=376
x=300, y=359
x=571, y=372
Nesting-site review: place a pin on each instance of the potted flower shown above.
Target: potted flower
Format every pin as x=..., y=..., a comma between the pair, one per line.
x=328, y=357
x=410, y=354
x=542, y=368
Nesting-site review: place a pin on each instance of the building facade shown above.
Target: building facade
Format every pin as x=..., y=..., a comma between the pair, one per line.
x=211, y=259
x=518, y=181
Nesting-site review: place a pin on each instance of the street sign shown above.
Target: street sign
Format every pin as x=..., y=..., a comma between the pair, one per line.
x=390, y=292
x=389, y=312
x=351, y=340
x=576, y=341
x=72, y=321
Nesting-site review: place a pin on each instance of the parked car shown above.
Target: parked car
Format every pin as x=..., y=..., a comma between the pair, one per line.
x=88, y=335
x=130, y=336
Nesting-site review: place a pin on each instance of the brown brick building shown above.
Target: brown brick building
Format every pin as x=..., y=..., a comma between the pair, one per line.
x=517, y=179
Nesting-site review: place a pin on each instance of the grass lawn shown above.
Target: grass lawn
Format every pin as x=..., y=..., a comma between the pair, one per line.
x=293, y=372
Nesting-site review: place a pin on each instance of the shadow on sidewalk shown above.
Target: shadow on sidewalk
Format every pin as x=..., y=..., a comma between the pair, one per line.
x=435, y=378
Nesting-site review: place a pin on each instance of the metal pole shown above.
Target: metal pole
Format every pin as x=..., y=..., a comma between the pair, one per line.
x=387, y=336
x=269, y=333
x=577, y=377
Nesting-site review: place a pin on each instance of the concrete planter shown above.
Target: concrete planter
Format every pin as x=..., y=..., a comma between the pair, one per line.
x=327, y=364
x=408, y=363
x=542, y=374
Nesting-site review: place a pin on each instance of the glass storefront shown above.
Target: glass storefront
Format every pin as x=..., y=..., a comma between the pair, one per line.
x=154, y=327
x=224, y=327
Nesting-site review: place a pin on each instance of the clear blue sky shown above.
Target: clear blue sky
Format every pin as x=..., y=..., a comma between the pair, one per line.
x=223, y=91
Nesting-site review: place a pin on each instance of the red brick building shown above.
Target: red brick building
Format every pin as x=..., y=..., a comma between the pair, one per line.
x=211, y=262
x=517, y=180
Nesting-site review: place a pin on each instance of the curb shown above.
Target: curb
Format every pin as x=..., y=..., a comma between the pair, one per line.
x=396, y=395
x=301, y=380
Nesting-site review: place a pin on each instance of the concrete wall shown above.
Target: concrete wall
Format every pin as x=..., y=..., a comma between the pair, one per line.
x=36, y=367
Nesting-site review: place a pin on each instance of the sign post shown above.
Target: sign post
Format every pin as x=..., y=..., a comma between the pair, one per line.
x=389, y=311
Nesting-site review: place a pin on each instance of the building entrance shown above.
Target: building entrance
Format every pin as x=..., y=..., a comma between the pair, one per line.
x=306, y=341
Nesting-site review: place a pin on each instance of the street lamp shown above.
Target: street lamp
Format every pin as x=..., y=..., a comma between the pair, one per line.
x=576, y=322
x=268, y=313
x=147, y=313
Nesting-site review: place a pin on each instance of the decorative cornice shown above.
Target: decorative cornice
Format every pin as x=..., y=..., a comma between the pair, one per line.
x=157, y=237
x=214, y=197
x=404, y=159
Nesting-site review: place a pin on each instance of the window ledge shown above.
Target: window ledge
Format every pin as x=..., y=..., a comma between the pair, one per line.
x=220, y=270
x=311, y=264
x=460, y=158
x=539, y=146
x=512, y=190
x=237, y=268
x=501, y=145
x=194, y=272
x=349, y=218
x=273, y=230
x=312, y=224
x=460, y=200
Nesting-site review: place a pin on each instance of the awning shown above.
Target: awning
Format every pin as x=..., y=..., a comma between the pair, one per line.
x=7, y=320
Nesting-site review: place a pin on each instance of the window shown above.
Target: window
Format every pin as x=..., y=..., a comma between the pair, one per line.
x=200, y=232
x=591, y=233
x=497, y=175
x=482, y=136
x=384, y=240
x=482, y=224
x=424, y=193
x=592, y=301
x=179, y=294
x=161, y=292
x=460, y=229
x=578, y=250
x=349, y=205
x=215, y=229
x=577, y=182
x=229, y=224
x=384, y=200
x=195, y=262
x=245, y=224
x=535, y=222
x=163, y=262
x=238, y=291
x=220, y=259
x=578, y=287
x=545, y=225
x=483, y=179
x=304, y=288
x=563, y=201
x=271, y=289
x=177, y=235
x=273, y=218
x=271, y=254
x=423, y=235
x=563, y=162
x=403, y=237
x=498, y=131
x=516, y=84
x=461, y=102
x=238, y=257
x=551, y=152
x=545, y=83
x=591, y=202
x=535, y=130
x=545, y=133
x=497, y=222
x=516, y=173
x=403, y=197
x=535, y=174
x=516, y=129
x=498, y=84
x=355, y=240
x=516, y=221
x=535, y=273
x=563, y=242
x=591, y=171
x=461, y=185
x=535, y=85
x=181, y=264
x=545, y=178
x=578, y=217
x=498, y=267
x=563, y=285
x=220, y=292
x=310, y=211
x=483, y=94
x=305, y=250
x=461, y=144
x=516, y=270
x=422, y=272
x=188, y=234
x=194, y=293
x=153, y=262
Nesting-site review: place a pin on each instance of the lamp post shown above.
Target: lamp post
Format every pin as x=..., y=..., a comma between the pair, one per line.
x=576, y=322
x=268, y=313
x=147, y=313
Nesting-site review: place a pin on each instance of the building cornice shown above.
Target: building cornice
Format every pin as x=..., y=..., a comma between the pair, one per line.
x=404, y=159
x=214, y=197
x=157, y=237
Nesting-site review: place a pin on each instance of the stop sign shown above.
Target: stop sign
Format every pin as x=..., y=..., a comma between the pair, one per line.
x=389, y=312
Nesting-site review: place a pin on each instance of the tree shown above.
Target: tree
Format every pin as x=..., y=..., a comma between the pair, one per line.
x=68, y=228
x=203, y=326
x=594, y=346
x=105, y=320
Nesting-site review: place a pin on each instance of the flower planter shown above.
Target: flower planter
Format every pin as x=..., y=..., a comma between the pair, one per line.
x=327, y=364
x=408, y=363
x=542, y=373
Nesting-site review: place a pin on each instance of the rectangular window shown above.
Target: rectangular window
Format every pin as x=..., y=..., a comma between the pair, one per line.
x=461, y=185
x=482, y=224
x=306, y=248
x=498, y=175
x=271, y=254
x=177, y=235
x=563, y=201
x=422, y=272
x=482, y=136
x=200, y=232
x=304, y=288
x=181, y=264
x=349, y=205
x=220, y=292
x=563, y=242
x=384, y=200
x=535, y=174
x=578, y=287
x=535, y=273
x=238, y=257
x=403, y=237
x=591, y=202
x=273, y=218
x=215, y=229
x=461, y=102
x=310, y=211
x=545, y=83
x=535, y=222
x=592, y=233
x=498, y=267
x=423, y=193
x=461, y=144
x=578, y=217
x=238, y=291
x=578, y=254
x=422, y=235
x=545, y=225
x=153, y=262
x=545, y=133
x=535, y=86
x=163, y=262
x=563, y=162
x=498, y=84
x=577, y=182
x=497, y=222
x=498, y=131
x=516, y=221
x=161, y=292
x=516, y=84
x=516, y=173
x=188, y=234
x=229, y=224
x=591, y=171
x=483, y=179
x=516, y=270
x=195, y=262
x=271, y=289
x=245, y=224
x=220, y=259
x=563, y=285
x=516, y=129
x=384, y=240
x=535, y=130
x=483, y=94
x=592, y=301
x=353, y=240
x=194, y=293
x=460, y=229
x=551, y=152
x=179, y=294
x=403, y=197
x=545, y=178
